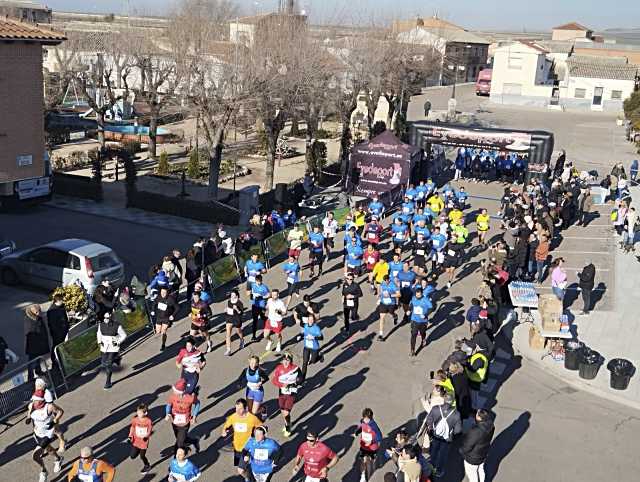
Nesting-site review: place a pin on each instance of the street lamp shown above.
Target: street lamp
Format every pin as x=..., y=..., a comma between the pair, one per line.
x=456, y=68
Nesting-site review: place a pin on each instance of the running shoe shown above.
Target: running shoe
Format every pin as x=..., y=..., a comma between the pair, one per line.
x=43, y=477
x=57, y=465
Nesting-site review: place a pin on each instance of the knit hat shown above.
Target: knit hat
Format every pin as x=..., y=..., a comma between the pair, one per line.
x=180, y=386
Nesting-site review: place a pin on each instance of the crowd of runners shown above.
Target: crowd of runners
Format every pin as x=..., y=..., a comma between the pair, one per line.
x=401, y=256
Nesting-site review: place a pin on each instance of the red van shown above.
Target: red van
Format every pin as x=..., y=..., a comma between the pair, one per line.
x=483, y=83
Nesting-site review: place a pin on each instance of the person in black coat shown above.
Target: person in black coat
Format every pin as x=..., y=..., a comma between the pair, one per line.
x=586, y=281
x=57, y=321
x=461, y=389
x=475, y=446
x=36, y=337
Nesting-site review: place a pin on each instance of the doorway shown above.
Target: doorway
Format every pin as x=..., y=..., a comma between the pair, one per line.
x=597, y=98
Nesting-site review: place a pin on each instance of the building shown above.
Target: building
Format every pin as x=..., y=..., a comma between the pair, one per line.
x=551, y=74
x=22, y=145
x=463, y=54
x=247, y=31
x=430, y=23
x=26, y=11
x=522, y=74
x=572, y=31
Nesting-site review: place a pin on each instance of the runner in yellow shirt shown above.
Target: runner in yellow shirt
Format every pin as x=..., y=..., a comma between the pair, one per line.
x=377, y=274
x=435, y=203
x=359, y=219
x=455, y=216
x=242, y=422
x=482, y=222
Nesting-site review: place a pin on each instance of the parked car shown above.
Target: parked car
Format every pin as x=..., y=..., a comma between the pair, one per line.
x=61, y=263
x=483, y=82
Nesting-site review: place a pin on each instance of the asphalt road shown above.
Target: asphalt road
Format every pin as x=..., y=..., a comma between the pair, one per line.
x=544, y=429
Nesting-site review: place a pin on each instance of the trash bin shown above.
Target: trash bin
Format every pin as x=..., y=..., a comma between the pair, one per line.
x=621, y=372
x=572, y=353
x=590, y=362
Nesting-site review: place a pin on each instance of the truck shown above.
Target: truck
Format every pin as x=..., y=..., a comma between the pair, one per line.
x=17, y=188
x=483, y=82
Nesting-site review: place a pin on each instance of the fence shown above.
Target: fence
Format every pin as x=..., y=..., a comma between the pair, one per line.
x=76, y=354
x=223, y=271
x=16, y=387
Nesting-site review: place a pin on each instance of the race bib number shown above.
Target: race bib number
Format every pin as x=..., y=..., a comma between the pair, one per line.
x=371, y=260
x=405, y=284
x=141, y=432
x=418, y=310
x=367, y=438
x=162, y=306
x=308, y=478
x=261, y=454
x=420, y=252
x=180, y=418
x=451, y=252
x=405, y=210
x=178, y=477
x=240, y=427
x=309, y=343
x=290, y=280
x=89, y=478
x=371, y=235
x=386, y=301
x=350, y=303
x=251, y=278
x=230, y=311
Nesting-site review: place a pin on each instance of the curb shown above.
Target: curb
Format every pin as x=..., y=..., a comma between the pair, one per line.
x=579, y=385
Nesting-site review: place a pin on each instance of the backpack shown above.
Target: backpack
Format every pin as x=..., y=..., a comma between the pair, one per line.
x=442, y=429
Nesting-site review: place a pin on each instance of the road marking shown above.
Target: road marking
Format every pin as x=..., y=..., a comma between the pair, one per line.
x=571, y=288
x=580, y=269
x=608, y=253
x=582, y=237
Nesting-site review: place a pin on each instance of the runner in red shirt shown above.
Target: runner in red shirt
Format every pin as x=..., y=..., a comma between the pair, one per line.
x=370, y=439
x=370, y=258
x=318, y=458
x=139, y=433
x=286, y=377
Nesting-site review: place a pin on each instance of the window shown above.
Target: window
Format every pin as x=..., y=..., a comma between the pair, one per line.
x=616, y=95
x=48, y=256
x=73, y=262
x=580, y=93
x=104, y=261
x=515, y=63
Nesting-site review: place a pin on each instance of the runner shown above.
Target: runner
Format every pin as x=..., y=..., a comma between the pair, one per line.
x=292, y=272
x=316, y=457
x=373, y=232
x=406, y=280
x=254, y=377
x=395, y=267
x=389, y=295
x=242, y=422
x=276, y=310
x=400, y=234
x=252, y=269
x=419, y=310
x=40, y=385
x=90, y=469
x=329, y=231
x=181, y=469
x=164, y=308
x=359, y=218
x=259, y=293
x=304, y=309
x=233, y=320
x=286, y=377
x=312, y=335
x=191, y=362
x=453, y=258
x=316, y=256
x=295, y=238
x=421, y=247
x=376, y=208
x=45, y=417
x=200, y=319
x=260, y=455
x=370, y=440
x=139, y=433
x=110, y=336
x=482, y=223
x=351, y=294
x=349, y=234
x=181, y=411
x=353, y=263
x=376, y=277
x=438, y=243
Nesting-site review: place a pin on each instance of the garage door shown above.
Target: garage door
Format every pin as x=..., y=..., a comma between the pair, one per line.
x=512, y=89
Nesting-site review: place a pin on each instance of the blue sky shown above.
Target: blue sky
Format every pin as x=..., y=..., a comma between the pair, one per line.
x=517, y=15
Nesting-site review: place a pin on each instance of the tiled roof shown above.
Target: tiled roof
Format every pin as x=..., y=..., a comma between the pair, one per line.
x=535, y=46
x=253, y=19
x=11, y=29
x=571, y=26
x=601, y=68
x=556, y=46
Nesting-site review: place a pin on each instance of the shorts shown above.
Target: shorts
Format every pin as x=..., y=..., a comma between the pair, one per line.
x=398, y=244
x=203, y=327
x=285, y=402
x=273, y=329
x=405, y=296
x=367, y=453
x=450, y=263
x=315, y=257
x=43, y=442
x=419, y=261
x=295, y=252
x=354, y=270
x=162, y=322
x=382, y=309
x=293, y=288
x=236, y=322
x=255, y=395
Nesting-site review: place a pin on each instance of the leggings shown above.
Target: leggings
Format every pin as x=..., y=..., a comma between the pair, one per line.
x=256, y=314
x=135, y=451
x=350, y=312
x=415, y=329
x=308, y=356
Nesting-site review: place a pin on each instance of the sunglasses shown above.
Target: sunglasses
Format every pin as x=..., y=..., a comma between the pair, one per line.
x=311, y=440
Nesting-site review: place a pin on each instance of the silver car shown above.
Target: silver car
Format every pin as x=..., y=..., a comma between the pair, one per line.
x=63, y=263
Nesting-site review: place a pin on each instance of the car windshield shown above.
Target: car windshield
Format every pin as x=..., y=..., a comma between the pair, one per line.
x=104, y=261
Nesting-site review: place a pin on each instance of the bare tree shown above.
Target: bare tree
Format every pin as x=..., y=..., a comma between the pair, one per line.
x=65, y=68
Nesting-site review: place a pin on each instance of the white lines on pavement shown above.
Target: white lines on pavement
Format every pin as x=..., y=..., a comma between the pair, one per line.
x=607, y=253
x=599, y=270
x=589, y=238
x=570, y=288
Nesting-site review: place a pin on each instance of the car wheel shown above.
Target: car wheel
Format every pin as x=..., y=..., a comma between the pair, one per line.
x=9, y=277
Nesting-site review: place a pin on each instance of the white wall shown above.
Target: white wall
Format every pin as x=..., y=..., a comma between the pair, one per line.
x=242, y=33
x=520, y=65
x=569, y=99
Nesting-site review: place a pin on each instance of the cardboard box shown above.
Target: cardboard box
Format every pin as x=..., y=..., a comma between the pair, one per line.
x=551, y=323
x=536, y=341
x=550, y=309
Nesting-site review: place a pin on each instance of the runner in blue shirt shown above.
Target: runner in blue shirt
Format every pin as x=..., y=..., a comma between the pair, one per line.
x=353, y=263
x=419, y=310
x=419, y=216
x=431, y=186
x=421, y=228
x=261, y=455
x=259, y=295
x=349, y=235
x=407, y=209
x=252, y=268
x=395, y=267
x=411, y=193
x=376, y=208
x=461, y=197
x=387, y=303
x=292, y=271
x=421, y=196
x=311, y=337
x=406, y=279
x=316, y=255
x=181, y=469
x=400, y=234
x=438, y=242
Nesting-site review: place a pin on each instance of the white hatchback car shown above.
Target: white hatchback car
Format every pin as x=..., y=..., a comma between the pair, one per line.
x=61, y=263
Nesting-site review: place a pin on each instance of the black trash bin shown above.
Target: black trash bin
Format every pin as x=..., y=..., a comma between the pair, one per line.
x=572, y=354
x=621, y=372
x=590, y=362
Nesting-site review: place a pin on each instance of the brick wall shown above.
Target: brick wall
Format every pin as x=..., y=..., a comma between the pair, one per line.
x=21, y=110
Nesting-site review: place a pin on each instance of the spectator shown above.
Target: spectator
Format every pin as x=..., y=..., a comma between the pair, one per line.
x=57, y=321
x=36, y=338
x=586, y=280
x=443, y=423
x=633, y=170
x=558, y=279
x=475, y=446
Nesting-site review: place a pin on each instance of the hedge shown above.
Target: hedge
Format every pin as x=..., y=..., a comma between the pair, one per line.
x=76, y=186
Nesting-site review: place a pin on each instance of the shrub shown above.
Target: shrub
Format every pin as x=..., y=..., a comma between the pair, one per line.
x=163, y=164
x=193, y=167
x=131, y=146
x=73, y=296
x=323, y=134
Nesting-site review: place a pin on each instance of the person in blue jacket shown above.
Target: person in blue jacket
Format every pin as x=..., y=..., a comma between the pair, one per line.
x=181, y=469
x=259, y=294
x=519, y=168
x=277, y=221
x=160, y=280
x=252, y=268
x=459, y=164
x=260, y=455
x=311, y=337
x=461, y=198
x=289, y=218
x=507, y=167
x=419, y=310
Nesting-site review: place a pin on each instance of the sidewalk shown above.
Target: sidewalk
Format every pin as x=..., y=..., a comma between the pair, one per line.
x=610, y=329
